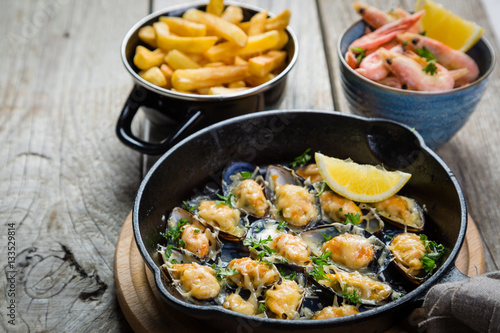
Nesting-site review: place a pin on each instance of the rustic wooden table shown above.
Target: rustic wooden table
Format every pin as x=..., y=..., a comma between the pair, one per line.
x=67, y=184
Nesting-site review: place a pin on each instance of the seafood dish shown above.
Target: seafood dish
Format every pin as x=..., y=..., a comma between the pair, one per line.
x=274, y=241
x=395, y=52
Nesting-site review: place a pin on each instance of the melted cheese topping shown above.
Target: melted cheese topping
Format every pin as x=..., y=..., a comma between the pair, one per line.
x=250, y=197
x=199, y=281
x=196, y=240
x=221, y=216
x=337, y=207
x=252, y=274
x=284, y=299
x=296, y=204
x=400, y=209
x=236, y=303
x=367, y=289
x=311, y=172
x=291, y=247
x=335, y=312
x=351, y=251
x=408, y=250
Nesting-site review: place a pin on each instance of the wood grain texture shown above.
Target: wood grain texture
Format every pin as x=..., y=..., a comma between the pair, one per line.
x=473, y=154
x=146, y=311
x=66, y=182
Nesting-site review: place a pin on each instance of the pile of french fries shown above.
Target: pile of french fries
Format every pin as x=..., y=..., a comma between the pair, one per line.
x=213, y=52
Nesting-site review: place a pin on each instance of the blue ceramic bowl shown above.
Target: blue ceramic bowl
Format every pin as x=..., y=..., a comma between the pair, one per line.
x=437, y=116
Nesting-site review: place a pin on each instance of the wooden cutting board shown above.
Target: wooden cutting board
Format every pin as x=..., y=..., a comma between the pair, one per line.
x=146, y=312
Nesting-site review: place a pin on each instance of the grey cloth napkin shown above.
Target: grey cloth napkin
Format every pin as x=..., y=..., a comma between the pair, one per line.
x=467, y=306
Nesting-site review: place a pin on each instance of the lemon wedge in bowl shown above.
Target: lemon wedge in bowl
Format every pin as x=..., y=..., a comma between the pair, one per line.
x=441, y=24
x=360, y=182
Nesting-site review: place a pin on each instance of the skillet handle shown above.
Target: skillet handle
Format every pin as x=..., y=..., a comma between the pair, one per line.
x=136, y=99
x=453, y=275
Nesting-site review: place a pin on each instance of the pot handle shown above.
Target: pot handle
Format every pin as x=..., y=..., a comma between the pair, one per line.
x=136, y=99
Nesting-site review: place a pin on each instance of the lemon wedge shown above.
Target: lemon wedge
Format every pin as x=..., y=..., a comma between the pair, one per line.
x=441, y=24
x=360, y=182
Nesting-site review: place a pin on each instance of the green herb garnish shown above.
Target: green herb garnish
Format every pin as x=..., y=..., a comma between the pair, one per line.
x=262, y=308
x=318, y=273
x=246, y=174
x=168, y=252
x=322, y=259
x=254, y=244
x=280, y=212
x=187, y=207
x=423, y=33
x=404, y=44
x=290, y=276
x=224, y=272
x=352, y=298
x=281, y=225
x=327, y=237
x=225, y=200
x=352, y=218
x=360, y=52
x=321, y=189
x=430, y=68
x=174, y=233
x=302, y=159
x=436, y=251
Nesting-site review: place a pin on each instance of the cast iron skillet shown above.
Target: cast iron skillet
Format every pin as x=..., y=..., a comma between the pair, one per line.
x=279, y=136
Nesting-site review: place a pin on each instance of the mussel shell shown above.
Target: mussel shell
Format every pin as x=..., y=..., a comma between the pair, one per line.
x=215, y=244
x=401, y=268
x=337, y=289
x=277, y=175
x=232, y=178
x=317, y=236
x=265, y=228
x=417, y=220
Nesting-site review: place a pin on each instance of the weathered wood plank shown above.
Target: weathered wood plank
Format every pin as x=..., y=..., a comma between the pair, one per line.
x=66, y=183
x=473, y=154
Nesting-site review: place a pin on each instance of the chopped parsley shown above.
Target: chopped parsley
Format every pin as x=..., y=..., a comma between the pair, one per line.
x=322, y=259
x=423, y=33
x=352, y=218
x=430, y=68
x=322, y=189
x=225, y=200
x=290, y=276
x=281, y=224
x=187, y=207
x=280, y=212
x=302, y=159
x=431, y=60
x=168, y=252
x=245, y=175
x=360, y=52
x=254, y=244
x=262, y=308
x=436, y=251
x=174, y=233
x=318, y=273
x=352, y=298
x=224, y=272
x=327, y=237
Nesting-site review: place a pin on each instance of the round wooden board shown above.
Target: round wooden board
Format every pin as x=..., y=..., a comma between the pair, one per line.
x=146, y=312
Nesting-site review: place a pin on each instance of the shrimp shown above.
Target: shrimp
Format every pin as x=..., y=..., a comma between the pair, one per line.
x=292, y=248
x=410, y=72
x=445, y=55
x=369, y=43
x=391, y=81
x=373, y=66
x=195, y=240
x=372, y=15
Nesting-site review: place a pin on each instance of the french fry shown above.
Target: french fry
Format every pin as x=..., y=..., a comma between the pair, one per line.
x=161, y=30
x=215, y=64
x=148, y=35
x=155, y=76
x=192, y=79
x=224, y=90
x=178, y=60
x=257, y=23
x=240, y=61
x=264, y=64
x=237, y=84
x=226, y=29
x=255, y=81
x=257, y=43
x=215, y=7
x=186, y=44
x=279, y=22
x=167, y=71
x=283, y=40
x=183, y=27
x=233, y=14
x=145, y=59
